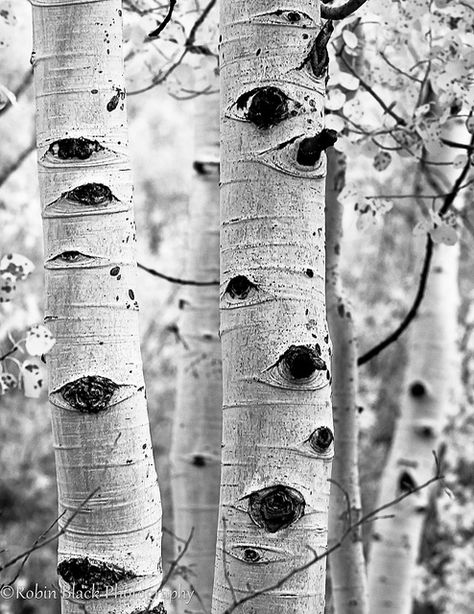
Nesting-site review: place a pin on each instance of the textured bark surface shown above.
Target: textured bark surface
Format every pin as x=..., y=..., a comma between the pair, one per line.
x=97, y=394
x=428, y=397
x=196, y=450
x=347, y=564
x=277, y=422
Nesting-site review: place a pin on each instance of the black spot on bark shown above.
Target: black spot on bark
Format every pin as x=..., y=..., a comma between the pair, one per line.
x=251, y=555
x=309, y=272
x=115, y=271
x=114, y=101
x=265, y=106
x=310, y=149
x=417, y=390
x=80, y=148
x=85, y=574
x=276, y=507
x=321, y=439
x=91, y=194
x=424, y=431
x=302, y=361
x=90, y=394
x=340, y=310
x=406, y=482
x=131, y=294
x=199, y=460
x=206, y=168
x=239, y=287
x=337, y=249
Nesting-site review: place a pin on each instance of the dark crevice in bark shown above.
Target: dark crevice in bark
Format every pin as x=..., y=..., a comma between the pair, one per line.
x=310, y=149
x=251, y=555
x=302, y=361
x=264, y=106
x=90, y=194
x=239, y=287
x=318, y=57
x=89, y=575
x=80, y=148
x=321, y=439
x=199, y=460
x=276, y=507
x=406, y=482
x=90, y=394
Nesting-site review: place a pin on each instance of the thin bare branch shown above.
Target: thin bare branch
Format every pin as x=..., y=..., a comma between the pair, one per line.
x=342, y=10
x=177, y=280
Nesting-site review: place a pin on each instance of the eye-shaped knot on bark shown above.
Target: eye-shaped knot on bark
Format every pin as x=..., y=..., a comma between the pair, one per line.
x=321, y=439
x=85, y=573
x=276, y=507
x=90, y=394
x=417, y=390
x=80, y=148
x=301, y=361
x=240, y=287
x=406, y=483
x=91, y=194
x=310, y=149
x=264, y=106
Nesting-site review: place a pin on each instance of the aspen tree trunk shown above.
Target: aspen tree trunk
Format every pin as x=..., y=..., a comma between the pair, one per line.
x=432, y=376
x=348, y=573
x=277, y=422
x=110, y=551
x=195, y=455
x=428, y=388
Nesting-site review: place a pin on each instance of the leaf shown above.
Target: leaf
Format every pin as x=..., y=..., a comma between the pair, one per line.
x=7, y=382
x=460, y=161
x=348, y=81
x=334, y=122
x=444, y=233
x=17, y=265
x=39, y=340
x=335, y=100
x=32, y=378
x=350, y=39
x=7, y=287
x=470, y=123
x=382, y=160
x=350, y=196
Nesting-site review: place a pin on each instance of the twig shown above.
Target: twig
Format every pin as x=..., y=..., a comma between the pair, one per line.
x=177, y=280
x=318, y=557
x=188, y=44
x=170, y=571
x=37, y=545
x=448, y=201
x=156, y=33
x=13, y=166
x=341, y=11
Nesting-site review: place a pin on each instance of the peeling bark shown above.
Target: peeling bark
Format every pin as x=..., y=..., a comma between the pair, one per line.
x=277, y=449
x=96, y=390
x=195, y=454
x=347, y=564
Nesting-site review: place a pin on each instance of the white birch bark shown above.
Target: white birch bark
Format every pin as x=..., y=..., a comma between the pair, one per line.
x=111, y=548
x=347, y=563
x=277, y=423
x=196, y=449
x=431, y=382
x=428, y=396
